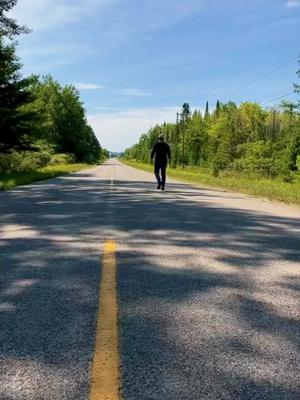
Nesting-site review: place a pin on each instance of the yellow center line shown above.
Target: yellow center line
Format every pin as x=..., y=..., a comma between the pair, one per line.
x=105, y=368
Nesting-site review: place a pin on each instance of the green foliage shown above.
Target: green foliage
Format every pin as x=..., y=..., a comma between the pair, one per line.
x=59, y=126
x=244, y=139
x=248, y=139
x=62, y=159
x=206, y=114
x=298, y=162
x=38, y=116
x=23, y=161
x=257, y=157
x=104, y=155
x=62, y=121
x=15, y=119
x=8, y=181
x=8, y=26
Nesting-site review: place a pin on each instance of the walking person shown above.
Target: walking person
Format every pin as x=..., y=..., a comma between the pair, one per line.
x=161, y=154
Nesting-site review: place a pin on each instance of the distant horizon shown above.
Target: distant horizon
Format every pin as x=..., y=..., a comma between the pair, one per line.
x=136, y=63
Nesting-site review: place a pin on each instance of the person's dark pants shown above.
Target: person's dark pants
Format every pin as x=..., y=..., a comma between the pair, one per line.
x=160, y=173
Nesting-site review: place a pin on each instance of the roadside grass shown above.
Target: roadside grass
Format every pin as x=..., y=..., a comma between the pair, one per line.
x=10, y=180
x=271, y=189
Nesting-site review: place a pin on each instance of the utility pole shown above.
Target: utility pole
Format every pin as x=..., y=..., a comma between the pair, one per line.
x=273, y=123
x=177, y=136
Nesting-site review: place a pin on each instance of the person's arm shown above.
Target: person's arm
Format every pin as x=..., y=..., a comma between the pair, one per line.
x=153, y=152
x=169, y=154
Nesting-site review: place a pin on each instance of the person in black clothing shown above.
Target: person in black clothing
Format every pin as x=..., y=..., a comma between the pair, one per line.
x=162, y=154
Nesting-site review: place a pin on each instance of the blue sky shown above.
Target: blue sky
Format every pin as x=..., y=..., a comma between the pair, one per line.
x=136, y=62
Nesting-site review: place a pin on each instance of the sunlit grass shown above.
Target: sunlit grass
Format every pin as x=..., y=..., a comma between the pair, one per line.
x=8, y=181
x=272, y=189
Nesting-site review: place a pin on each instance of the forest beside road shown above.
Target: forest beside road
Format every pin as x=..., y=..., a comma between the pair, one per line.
x=43, y=124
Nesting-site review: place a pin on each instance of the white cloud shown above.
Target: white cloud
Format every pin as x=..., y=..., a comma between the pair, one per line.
x=119, y=130
x=45, y=14
x=134, y=92
x=67, y=23
x=292, y=3
x=87, y=86
x=54, y=42
x=39, y=58
x=102, y=108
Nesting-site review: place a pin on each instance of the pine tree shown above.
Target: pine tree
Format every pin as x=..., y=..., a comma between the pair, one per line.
x=186, y=108
x=217, y=107
x=14, y=120
x=8, y=26
x=185, y=112
x=206, y=115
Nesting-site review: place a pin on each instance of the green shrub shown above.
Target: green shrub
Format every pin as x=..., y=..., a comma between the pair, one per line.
x=62, y=159
x=296, y=177
x=298, y=162
x=27, y=161
x=23, y=161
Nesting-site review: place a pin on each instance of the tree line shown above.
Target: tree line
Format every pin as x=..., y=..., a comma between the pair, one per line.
x=247, y=138
x=38, y=116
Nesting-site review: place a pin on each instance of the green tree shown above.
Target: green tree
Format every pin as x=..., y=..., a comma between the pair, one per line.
x=206, y=114
x=248, y=138
x=9, y=26
x=218, y=107
x=15, y=119
x=185, y=112
x=252, y=122
x=62, y=121
x=196, y=140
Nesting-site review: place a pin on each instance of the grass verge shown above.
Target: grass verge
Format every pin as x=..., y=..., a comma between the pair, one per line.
x=8, y=181
x=271, y=189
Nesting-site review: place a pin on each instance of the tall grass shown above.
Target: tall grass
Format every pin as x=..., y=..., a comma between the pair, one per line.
x=272, y=189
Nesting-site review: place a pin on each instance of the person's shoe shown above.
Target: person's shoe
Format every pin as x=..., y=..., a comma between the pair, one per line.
x=158, y=186
x=162, y=187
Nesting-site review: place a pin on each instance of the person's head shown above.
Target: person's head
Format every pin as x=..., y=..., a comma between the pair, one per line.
x=161, y=138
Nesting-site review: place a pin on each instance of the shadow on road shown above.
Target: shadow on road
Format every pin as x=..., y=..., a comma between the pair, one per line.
x=228, y=349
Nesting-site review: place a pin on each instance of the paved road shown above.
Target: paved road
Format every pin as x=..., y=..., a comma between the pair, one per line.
x=208, y=289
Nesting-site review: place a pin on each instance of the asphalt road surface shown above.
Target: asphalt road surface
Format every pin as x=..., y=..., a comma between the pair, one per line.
x=208, y=289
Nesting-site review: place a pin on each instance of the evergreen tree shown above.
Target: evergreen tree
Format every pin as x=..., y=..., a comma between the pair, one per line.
x=217, y=107
x=186, y=109
x=8, y=26
x=15, y=121
x=206, y=114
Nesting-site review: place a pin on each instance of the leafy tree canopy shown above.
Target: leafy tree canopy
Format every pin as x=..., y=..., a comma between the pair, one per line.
x=9, y=26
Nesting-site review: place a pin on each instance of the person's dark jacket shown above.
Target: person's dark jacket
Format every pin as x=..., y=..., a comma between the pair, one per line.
x=162, y=153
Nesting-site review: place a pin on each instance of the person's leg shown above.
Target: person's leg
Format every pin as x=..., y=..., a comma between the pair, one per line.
x=163, y=176
x=157, y=175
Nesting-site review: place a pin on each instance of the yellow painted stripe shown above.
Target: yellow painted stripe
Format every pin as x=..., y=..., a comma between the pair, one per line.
x=105, y=369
